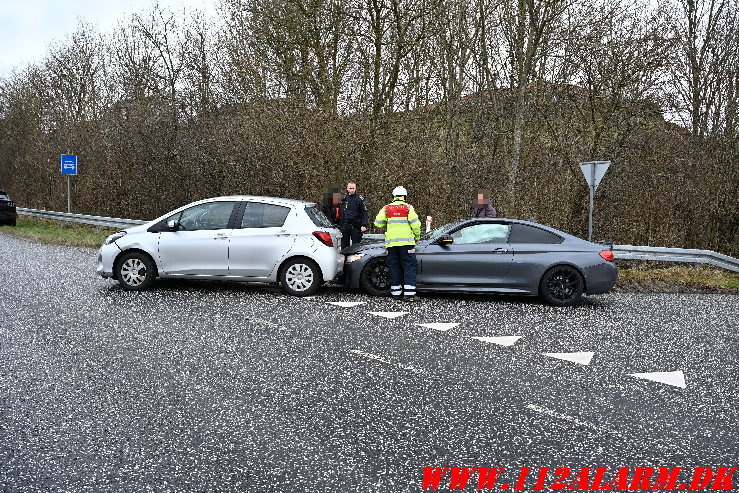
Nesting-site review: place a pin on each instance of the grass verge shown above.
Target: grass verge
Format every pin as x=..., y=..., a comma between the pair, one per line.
x=632, y=276
x=45, y=231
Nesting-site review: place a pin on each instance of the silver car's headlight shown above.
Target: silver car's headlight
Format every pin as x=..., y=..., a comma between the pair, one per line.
x=110, y=239
x=354, y=258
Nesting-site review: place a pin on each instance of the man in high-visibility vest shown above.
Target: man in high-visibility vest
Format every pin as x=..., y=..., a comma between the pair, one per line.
x=403, y=231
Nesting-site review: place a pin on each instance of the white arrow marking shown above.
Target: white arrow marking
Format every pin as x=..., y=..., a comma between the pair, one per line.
x=502, y=341
x=389, y=314
x=582, y=358
x=346, y=304
x=439, y=326
x=675, y=378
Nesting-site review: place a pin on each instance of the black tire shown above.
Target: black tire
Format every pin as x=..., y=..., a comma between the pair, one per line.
x=562, y=285
x=12, y=222
x=136, y=271
x=300, y=277
x=375, y=277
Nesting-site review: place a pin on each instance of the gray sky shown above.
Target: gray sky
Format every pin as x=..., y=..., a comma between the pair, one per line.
x=27, y=27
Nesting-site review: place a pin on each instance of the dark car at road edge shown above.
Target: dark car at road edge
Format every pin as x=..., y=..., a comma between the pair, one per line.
x=8, y=213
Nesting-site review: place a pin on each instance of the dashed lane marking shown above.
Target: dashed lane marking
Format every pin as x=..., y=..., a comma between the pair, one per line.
x=383, y=360
x=674, y=378
x=346, y=304
x=501, y=340
x=439, y=326
x=389, y=314
x=581, y=358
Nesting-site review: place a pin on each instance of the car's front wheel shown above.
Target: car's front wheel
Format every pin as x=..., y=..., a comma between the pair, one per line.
x=561, y=285
x=136, y=271
x=300, y=277
x=375, y=277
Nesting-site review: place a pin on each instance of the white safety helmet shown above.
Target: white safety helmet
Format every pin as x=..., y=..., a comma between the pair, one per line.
x=398, y=191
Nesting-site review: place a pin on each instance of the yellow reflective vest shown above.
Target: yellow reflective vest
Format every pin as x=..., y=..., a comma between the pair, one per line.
x=403, y=225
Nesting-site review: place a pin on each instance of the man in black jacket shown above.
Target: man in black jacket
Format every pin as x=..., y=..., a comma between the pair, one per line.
x=354, y=219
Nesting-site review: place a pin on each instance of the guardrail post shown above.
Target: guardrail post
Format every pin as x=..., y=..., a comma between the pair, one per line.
x=99, y=228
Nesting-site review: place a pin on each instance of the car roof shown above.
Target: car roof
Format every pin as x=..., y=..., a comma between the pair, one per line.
x=525, y=222
x=259, y=198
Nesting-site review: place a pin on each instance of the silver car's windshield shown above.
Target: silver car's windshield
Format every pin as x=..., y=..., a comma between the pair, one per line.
x=436, y=232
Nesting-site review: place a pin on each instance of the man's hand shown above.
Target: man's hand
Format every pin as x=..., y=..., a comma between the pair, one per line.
x=363, y=229
x=412, y=250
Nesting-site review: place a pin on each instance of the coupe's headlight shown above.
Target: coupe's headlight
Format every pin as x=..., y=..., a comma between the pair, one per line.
x=354, y=258
x=110, y=239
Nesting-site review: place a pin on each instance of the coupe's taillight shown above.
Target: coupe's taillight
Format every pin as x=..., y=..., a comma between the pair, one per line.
x=324, y=238
x=607, y=255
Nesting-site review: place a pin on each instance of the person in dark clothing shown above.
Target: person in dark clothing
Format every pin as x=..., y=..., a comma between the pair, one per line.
x=331, y=204
x=354, y=219
x=481, y=206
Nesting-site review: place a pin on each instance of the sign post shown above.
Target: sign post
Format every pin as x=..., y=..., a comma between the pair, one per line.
x=593, y=171
x=69, y=168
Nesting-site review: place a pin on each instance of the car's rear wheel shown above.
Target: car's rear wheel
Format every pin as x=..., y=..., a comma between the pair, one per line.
x=136, y=271
x=375, y=277
x=561, y=285
x=300, y=277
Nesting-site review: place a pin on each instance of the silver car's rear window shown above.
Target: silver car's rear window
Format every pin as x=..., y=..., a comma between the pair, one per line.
x=318, y=217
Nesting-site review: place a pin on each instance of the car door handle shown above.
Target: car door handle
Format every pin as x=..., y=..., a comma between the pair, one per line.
x=283, y=233
x=221, y=236
x=500, y=250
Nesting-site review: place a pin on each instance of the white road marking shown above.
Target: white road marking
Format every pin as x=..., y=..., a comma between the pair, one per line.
x=439, y=326
x=675, y=378
x=389, y=314
x=565, y=417
x=378, y=358
x=603, y=429
x=346, y=304
x=582, y=358
x=501, y=340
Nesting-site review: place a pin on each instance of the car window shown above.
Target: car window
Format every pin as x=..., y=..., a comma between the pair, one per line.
x=521, y=233
x=318, y=217
x=258, y=215
x=212, y=215
x=481, y=233
x=437, y=232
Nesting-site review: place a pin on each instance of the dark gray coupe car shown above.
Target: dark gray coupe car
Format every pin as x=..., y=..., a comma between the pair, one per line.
x=497, y=256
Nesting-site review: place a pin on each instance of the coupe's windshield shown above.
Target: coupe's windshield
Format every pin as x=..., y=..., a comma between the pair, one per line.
x=436, y=232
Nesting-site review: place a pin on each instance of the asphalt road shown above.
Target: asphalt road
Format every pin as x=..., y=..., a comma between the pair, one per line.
x=201, y=386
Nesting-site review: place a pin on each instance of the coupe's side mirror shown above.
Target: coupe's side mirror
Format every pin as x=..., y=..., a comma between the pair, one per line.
x=446, y=240
x=173, y=225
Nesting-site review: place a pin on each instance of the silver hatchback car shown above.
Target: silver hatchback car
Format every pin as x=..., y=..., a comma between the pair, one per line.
x=237, y=238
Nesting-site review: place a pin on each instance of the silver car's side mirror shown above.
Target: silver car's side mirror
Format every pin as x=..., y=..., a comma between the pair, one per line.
x=173, y=225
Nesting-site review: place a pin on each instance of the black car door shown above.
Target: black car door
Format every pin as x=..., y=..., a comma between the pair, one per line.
x=479, y=256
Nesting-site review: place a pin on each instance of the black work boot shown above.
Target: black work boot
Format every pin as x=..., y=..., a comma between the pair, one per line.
x=409, y=298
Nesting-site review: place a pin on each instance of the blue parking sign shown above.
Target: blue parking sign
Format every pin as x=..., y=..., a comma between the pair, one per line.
x=69, y=164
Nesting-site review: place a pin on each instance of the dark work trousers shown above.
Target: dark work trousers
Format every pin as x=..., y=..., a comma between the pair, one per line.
x=402, y=267
x=349, y=232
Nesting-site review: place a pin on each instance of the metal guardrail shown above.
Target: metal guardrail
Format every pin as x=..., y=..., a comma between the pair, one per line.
x=633, y=252
x=623, y=252
x=98, y=221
